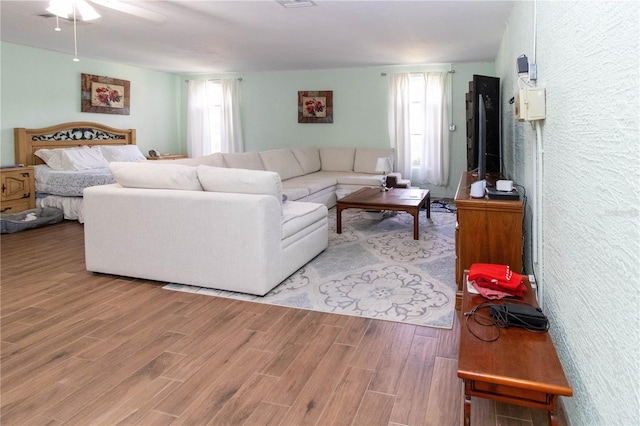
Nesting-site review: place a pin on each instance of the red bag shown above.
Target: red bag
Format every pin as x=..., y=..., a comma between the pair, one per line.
x=497, y=277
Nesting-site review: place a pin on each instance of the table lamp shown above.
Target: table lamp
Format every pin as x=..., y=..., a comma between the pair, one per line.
x=383, y=165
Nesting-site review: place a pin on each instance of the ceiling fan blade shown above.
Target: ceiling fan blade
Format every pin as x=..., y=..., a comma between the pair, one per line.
x=131, y=10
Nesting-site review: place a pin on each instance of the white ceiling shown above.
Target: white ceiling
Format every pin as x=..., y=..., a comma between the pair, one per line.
x=261, y=35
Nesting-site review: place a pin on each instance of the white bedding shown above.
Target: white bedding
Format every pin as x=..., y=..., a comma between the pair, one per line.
x=63, y=189
x=69, y=183
x=71, y=206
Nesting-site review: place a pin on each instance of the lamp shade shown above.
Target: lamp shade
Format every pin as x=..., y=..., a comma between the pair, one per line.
x=383, y=165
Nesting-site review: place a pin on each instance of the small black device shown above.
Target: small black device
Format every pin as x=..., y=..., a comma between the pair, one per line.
x=523, y=64
x=154, y=153
x=494, y=194
x=519, y=315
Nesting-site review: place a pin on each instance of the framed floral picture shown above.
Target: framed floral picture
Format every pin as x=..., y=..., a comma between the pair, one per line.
x=105, y=95
x=315, y=106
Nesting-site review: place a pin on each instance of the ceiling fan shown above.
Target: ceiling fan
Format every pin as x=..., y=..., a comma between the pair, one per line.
x=66, y=8
x=74, y=9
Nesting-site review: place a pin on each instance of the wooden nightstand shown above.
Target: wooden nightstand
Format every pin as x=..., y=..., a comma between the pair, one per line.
x=18, y=189
x=168, y=157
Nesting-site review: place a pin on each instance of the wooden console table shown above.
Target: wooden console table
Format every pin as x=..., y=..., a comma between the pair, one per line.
x=521, y=367
x=488, y=231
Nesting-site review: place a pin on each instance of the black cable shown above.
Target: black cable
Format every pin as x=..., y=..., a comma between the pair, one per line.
x=524, y=219
x=499, y=317
x=490, y=321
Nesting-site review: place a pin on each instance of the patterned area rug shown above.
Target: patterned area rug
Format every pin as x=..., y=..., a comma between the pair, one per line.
x=374, y=269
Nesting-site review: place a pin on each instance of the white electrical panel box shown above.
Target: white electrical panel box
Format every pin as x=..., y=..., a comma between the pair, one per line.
x=530, y=104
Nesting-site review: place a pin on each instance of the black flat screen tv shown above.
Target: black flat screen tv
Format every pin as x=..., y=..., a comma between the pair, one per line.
x=489, y=89
x=482, y=139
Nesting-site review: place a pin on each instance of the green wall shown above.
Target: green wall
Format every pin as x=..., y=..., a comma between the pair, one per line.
x=270, y=117
x=40, y=88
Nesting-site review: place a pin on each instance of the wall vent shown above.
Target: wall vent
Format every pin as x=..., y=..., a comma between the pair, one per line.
x=296, y=3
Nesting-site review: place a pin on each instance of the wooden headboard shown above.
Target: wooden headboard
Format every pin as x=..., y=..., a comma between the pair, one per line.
x=67, y=135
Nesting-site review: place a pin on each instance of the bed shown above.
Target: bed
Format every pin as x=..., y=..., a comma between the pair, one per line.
x=63, y=188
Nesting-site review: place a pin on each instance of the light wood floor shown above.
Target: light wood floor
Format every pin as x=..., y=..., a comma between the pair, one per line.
x=83, y=349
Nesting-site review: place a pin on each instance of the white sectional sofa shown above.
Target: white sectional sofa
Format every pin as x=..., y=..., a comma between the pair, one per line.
x=227, y=229
x=309, y=173
x=221, y=221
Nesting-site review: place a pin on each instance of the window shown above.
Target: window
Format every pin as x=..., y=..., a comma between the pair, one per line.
x=213, y=118
x=214, y=103
x=418, y=126
x=417, y=105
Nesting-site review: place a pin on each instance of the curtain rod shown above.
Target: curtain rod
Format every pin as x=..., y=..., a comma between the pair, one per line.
x=450, y=72
x=213, y=79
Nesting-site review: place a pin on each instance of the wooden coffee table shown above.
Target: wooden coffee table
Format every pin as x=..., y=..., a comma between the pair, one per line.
x=521, y=367
x=398, y=199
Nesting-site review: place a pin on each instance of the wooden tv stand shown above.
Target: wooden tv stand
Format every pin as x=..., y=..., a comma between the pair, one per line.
x=488, y=231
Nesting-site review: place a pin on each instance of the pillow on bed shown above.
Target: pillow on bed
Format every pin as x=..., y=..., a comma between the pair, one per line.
x=121, y=152
x=69, y=159
x=51, y=157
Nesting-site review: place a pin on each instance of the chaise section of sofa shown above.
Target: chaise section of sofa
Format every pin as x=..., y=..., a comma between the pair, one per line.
x=206, y=226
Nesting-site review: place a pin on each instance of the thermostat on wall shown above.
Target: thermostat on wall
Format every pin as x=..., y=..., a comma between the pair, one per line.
x=530, y=104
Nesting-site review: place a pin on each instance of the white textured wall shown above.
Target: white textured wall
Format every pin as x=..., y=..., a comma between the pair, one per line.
x=587, y=56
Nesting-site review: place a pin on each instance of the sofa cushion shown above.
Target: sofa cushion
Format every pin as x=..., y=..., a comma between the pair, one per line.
x=337, y=159
x=366, y=158
x=296, y=216
x=314, y=182
x=360, y=179
x=213, y=160
x=155, y=175
x=281, y=161
x=308, y=157
x=294, y=192
x=243, y=160
x=243, y=181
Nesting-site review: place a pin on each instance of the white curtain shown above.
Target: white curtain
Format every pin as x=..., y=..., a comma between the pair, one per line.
x=198, y=119
x=433, y=150
x=399, y=133
x=231, y=126
x=202, y=116
x=434, y=167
